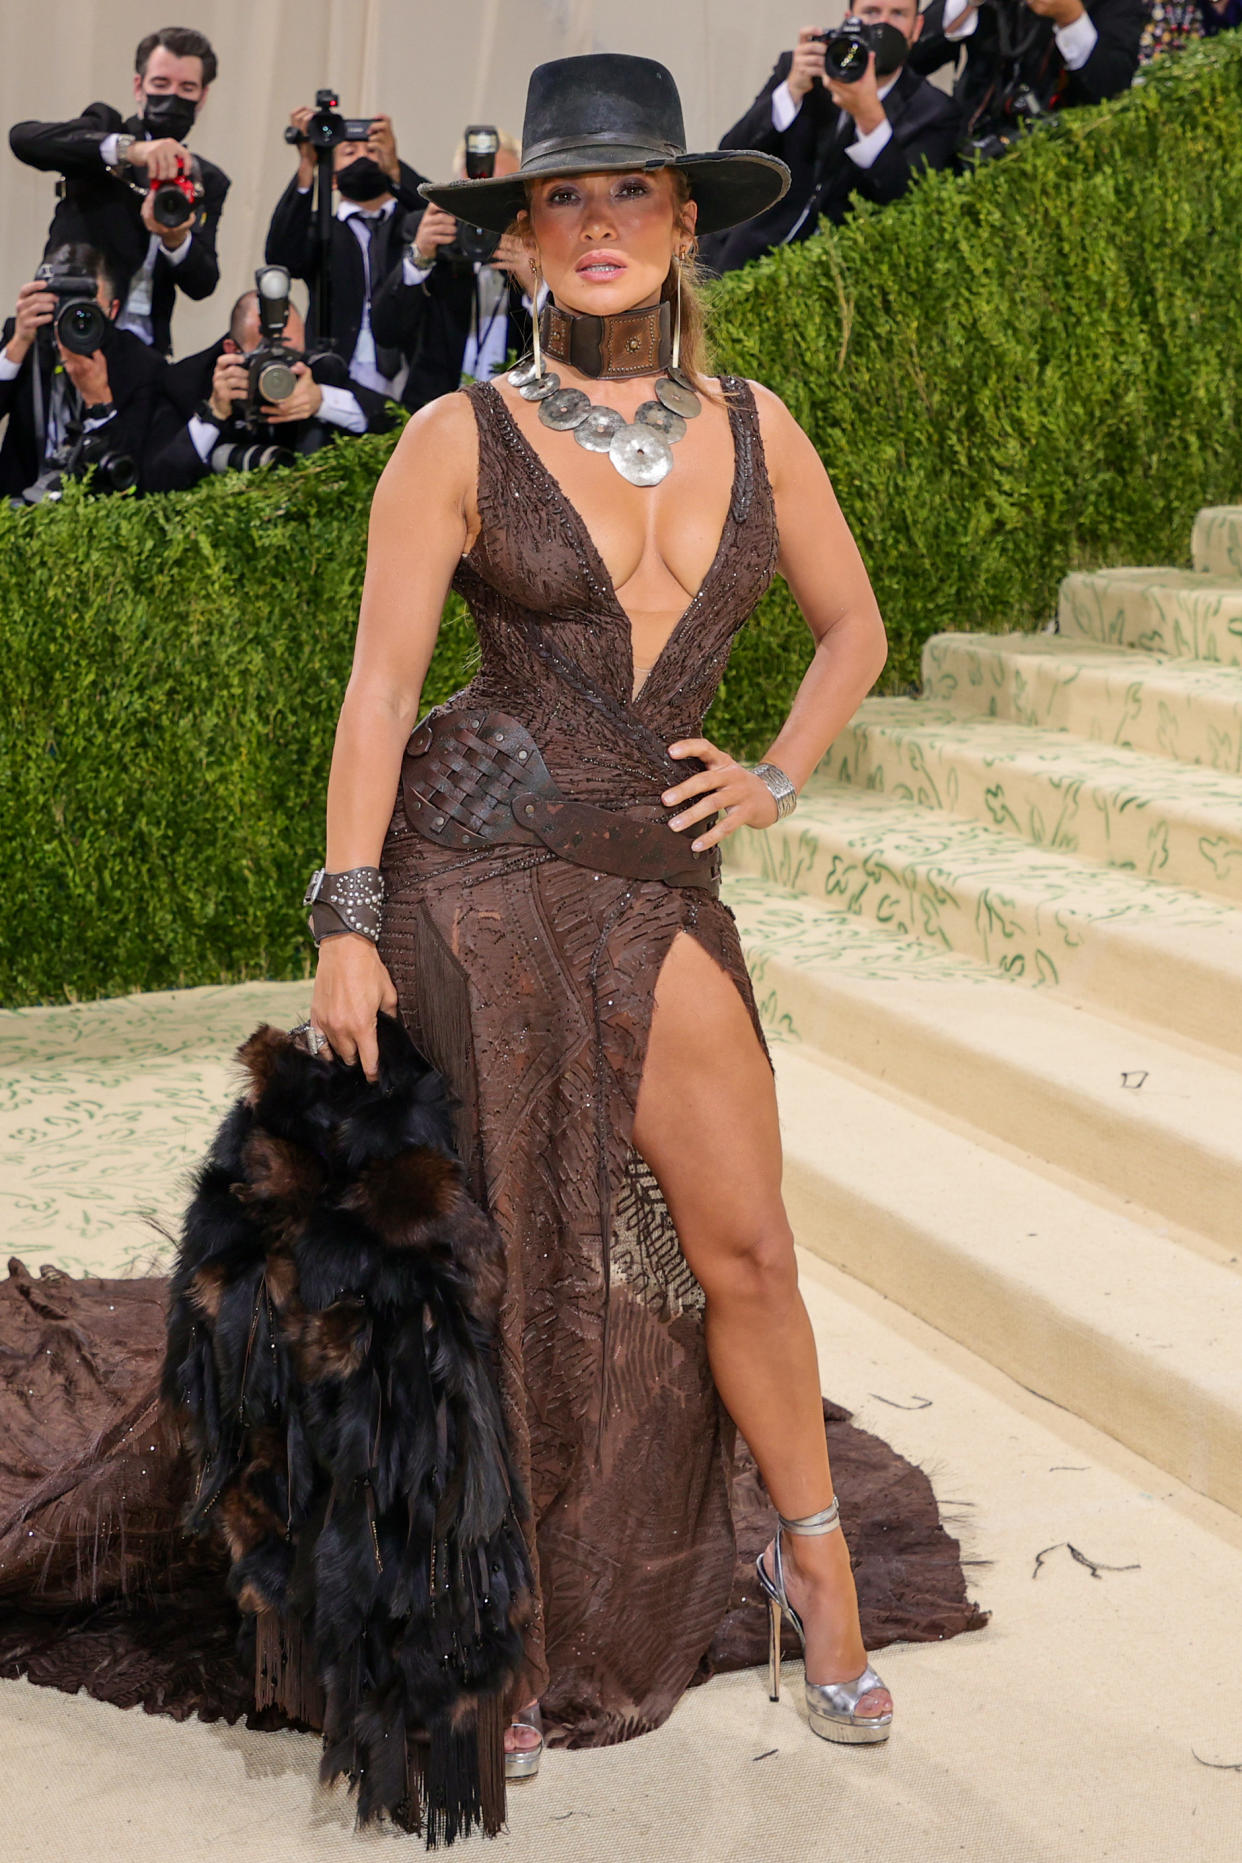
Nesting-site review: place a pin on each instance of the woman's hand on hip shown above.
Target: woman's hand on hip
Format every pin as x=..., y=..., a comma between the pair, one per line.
x=725, y=785
x=351, y=987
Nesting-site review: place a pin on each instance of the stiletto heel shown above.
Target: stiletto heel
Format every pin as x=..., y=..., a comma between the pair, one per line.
x=774, y=1650
x=833, y=1706
x=523, y=1762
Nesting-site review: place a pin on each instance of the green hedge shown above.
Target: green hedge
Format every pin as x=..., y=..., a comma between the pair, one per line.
x=1009, y=374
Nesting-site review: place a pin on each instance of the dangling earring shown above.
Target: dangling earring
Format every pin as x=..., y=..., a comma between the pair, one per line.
x=675, y=391
x=677, y=317
x=534, y=321
x=533, y=381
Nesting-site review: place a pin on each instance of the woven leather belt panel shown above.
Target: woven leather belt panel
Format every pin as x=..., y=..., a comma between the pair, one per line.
x=470, y=778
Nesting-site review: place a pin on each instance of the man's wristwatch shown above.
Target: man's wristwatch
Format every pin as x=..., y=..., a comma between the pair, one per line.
x=205, y=411
x=120, y=167
x=99, y=410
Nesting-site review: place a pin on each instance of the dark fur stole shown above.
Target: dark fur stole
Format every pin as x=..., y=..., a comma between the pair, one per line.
x=329, y=1359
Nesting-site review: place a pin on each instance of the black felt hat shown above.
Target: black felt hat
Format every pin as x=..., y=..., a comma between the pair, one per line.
x=605, y=112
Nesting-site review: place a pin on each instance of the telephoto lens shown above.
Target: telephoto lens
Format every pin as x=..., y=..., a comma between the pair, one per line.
x=245, y=457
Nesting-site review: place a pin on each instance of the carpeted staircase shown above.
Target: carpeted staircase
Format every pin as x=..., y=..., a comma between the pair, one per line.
x=999, y=950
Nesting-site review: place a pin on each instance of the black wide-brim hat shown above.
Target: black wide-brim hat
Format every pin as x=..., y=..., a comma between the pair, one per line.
x=607, y=112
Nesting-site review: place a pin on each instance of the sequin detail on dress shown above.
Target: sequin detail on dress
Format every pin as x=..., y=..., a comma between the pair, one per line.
x=531, y=982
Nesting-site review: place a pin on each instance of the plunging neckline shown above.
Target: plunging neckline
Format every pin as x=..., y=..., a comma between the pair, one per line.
x=601, y=570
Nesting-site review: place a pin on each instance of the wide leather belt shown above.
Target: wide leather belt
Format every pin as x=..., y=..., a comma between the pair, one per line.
x=472, y=777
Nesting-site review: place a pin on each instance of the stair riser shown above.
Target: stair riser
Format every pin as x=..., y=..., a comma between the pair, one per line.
x=1152, y=1411
x=1043, y=941
x=1101, y=1138
x=1160, y=838
x=1101, y=706
x=1160, y=619
x=1216, y=542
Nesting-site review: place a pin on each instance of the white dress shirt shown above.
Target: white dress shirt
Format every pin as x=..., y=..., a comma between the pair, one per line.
x=363, y=364
x=1075, y=42
x=864, y=150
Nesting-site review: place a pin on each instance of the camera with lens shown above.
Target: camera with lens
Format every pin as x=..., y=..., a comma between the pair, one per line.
x=848, y=48
x=176, y=201
x=1017, y=110
x=270, y=368
x=112, y=470
x=1015, y=106
x=238, y=456
x=475, y=245
x=327, y=127
x=80, y=320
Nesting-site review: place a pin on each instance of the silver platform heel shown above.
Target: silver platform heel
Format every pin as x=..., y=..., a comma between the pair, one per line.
x=523, y=1762
x=833, y=1706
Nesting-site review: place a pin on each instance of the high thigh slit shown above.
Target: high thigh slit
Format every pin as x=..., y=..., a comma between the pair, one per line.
x=530, y=981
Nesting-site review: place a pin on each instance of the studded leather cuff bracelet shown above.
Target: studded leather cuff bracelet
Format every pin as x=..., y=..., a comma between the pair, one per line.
x=345, y=902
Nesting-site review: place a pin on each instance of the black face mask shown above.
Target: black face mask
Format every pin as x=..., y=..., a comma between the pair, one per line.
x=892, y=48
x=362, y=180
x=168, y=115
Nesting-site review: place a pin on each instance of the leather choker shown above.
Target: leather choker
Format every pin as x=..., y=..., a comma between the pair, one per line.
x=634, y=342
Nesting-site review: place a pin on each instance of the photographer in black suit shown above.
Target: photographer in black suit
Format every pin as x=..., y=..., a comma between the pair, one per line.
x=366, y=242
x=867, y=139
x=109, y=163
x=1020, y=59
x=450, y=315
x=67, y=409
x=202, y=405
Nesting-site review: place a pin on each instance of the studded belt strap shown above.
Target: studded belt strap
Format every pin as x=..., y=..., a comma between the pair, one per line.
x=470, y=778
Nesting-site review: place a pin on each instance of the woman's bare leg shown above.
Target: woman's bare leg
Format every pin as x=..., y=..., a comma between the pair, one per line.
x=706, y=1123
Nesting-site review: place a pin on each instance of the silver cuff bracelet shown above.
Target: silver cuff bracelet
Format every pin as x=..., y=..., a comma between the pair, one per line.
x=779, y=786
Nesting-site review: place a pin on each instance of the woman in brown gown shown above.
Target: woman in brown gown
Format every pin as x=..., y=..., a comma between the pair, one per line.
x=617, y=1112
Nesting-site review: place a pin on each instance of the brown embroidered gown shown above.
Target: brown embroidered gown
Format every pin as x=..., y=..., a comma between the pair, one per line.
x=530, y=982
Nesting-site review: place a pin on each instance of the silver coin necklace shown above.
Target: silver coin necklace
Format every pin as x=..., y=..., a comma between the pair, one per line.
x=641, y=449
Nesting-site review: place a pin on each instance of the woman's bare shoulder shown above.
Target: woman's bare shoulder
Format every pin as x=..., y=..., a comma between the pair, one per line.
x=439, y=445
x=786, y=444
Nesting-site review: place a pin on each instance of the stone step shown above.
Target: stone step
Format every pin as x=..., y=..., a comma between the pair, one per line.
x=1129, y=946
x=1188, y=613
x=1116, y=1106
x=1216, y=542
x=1187, y=710
x=1082, y=1304
x=1101, y=801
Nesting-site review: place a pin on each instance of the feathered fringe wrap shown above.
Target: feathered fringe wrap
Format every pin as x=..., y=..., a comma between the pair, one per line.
x=329, y=1357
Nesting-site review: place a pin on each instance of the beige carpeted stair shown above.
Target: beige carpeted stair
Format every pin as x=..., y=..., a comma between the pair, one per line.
x=999, y=947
